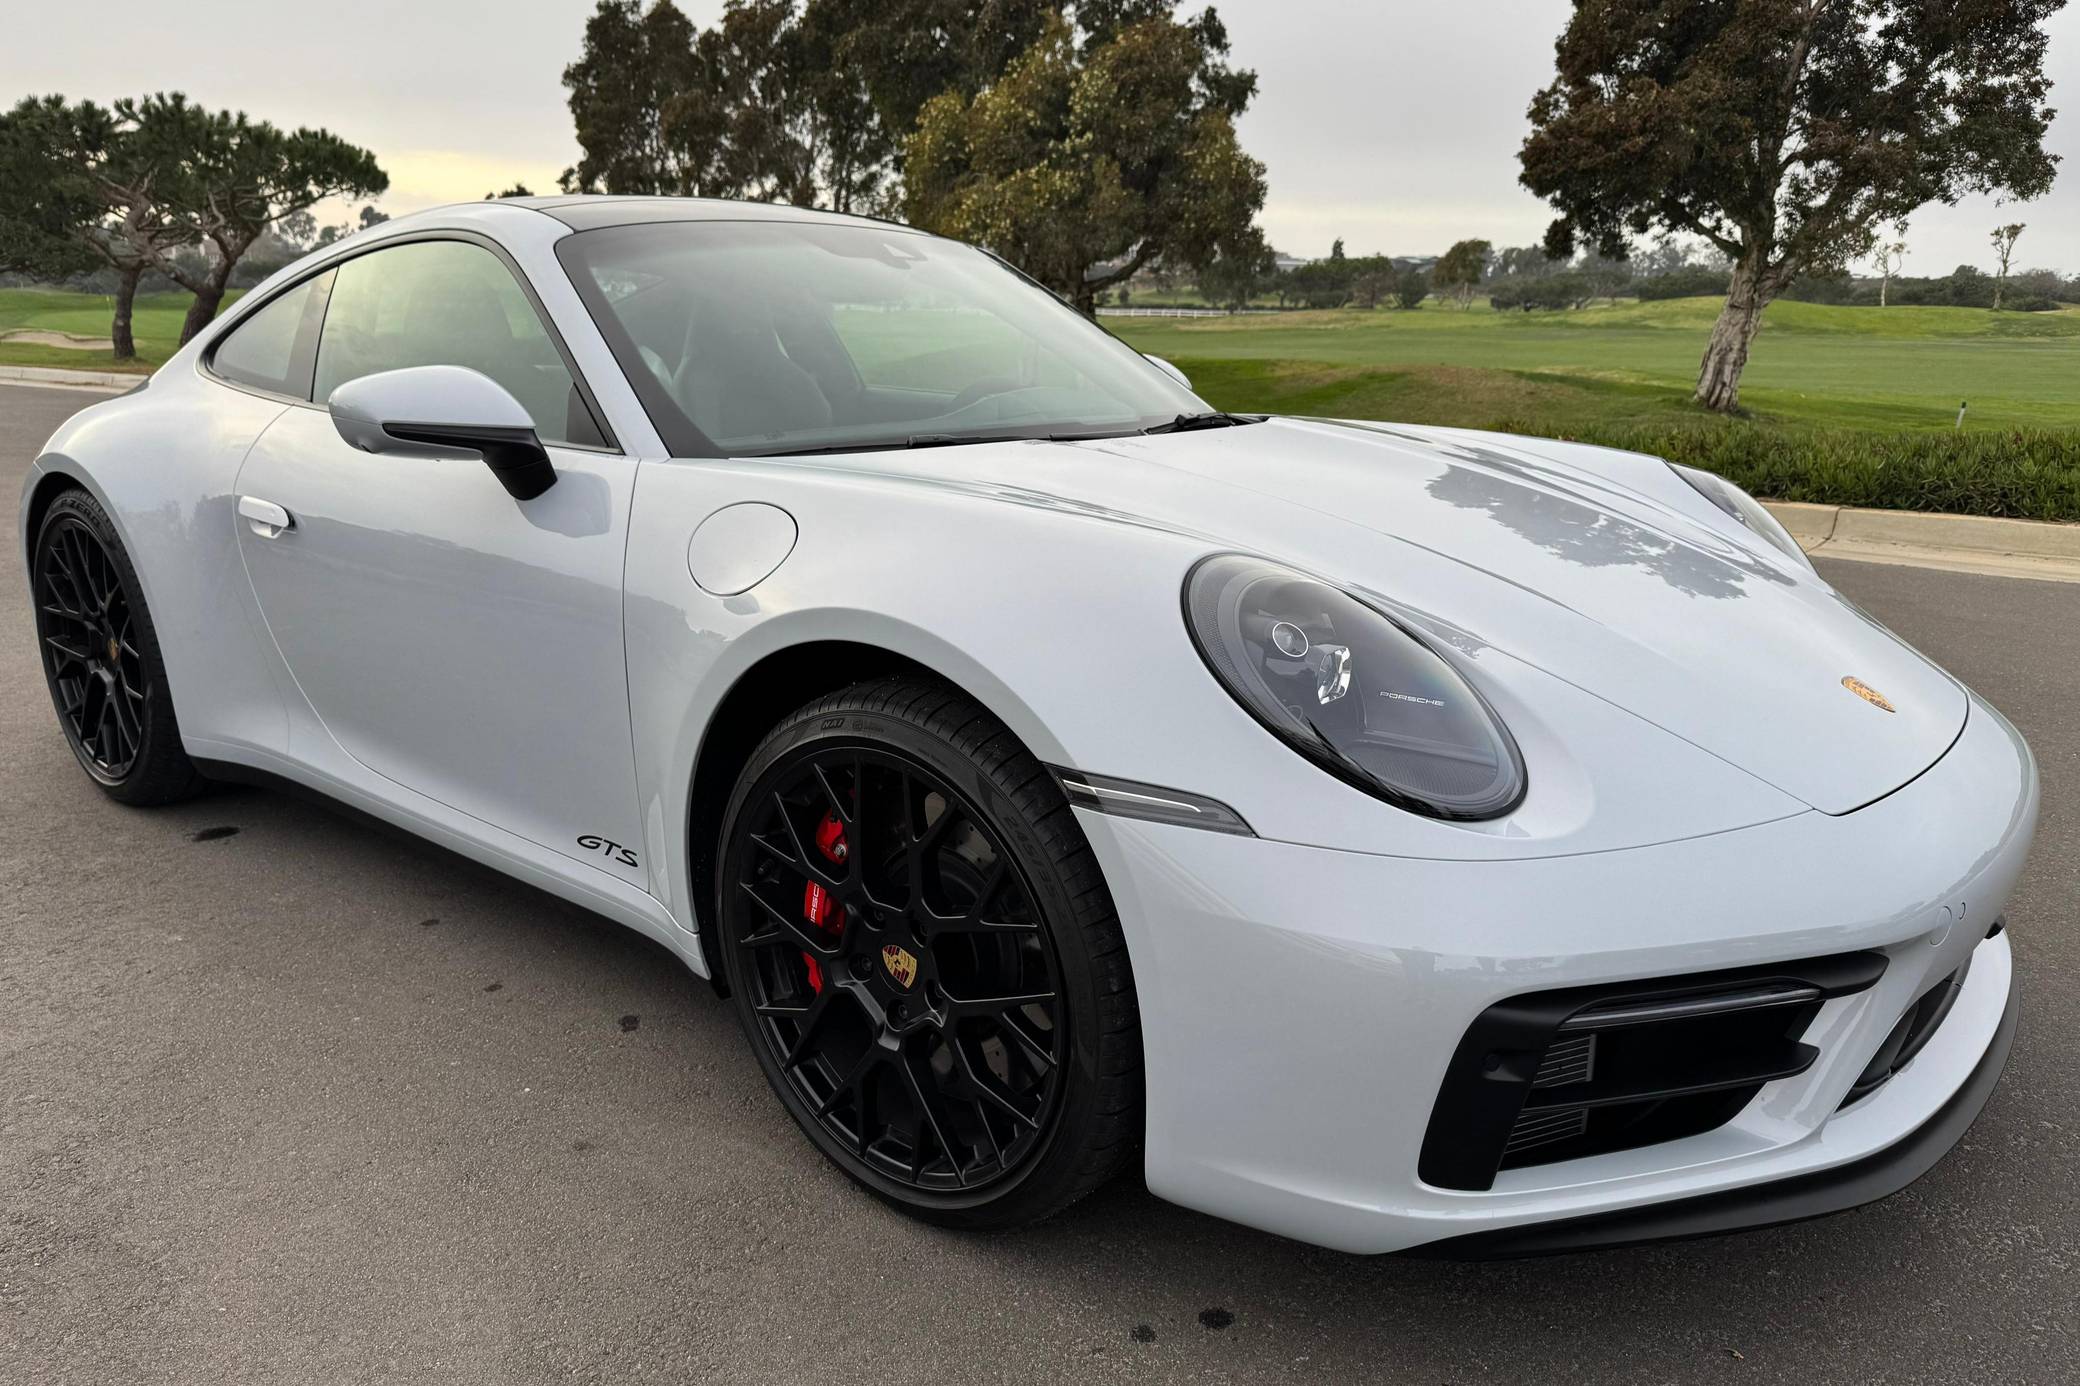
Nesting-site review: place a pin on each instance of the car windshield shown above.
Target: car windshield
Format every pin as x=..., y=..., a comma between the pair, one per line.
x=748, y=338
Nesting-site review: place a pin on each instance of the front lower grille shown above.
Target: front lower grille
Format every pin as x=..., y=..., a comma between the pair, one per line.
x=1534, y=1129
x=1570, y=1060
x=1557, y=1075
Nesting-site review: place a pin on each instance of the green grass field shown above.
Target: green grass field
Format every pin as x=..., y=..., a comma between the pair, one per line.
x=1631, y=364
x=156, y=324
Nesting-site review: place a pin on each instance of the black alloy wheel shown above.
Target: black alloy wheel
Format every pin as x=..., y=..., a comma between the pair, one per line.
x=907, y=948
x=101, y=657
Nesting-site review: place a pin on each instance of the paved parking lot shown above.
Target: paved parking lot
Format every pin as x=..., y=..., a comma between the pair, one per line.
x=283, y=1098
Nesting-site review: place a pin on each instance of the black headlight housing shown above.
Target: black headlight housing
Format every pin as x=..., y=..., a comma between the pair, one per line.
x=1353, y=690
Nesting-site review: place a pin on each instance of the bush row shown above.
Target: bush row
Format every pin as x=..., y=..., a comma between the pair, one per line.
x=2031, y=474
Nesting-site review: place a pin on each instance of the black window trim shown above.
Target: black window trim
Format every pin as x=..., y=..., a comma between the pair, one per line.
x=306, y=369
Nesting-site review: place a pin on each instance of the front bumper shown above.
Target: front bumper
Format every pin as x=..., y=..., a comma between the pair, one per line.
x=1300, y=1005
x=1764, y=1205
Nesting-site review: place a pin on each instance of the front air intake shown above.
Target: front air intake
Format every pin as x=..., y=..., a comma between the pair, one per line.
x=1914, y=1030
x=1556, y=1075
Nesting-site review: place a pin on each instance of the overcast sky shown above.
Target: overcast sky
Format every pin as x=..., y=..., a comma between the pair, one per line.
x=1393, y=124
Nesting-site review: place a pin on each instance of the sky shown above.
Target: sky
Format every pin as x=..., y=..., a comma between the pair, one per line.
x=1393, y=124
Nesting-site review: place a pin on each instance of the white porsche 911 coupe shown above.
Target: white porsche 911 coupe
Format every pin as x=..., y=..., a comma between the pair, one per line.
x=1395, y=838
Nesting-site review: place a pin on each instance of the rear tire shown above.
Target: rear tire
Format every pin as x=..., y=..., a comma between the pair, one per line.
x=926, y=960
x=101, y=658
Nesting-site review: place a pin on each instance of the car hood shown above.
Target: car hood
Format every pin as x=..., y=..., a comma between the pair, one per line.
x=1539, y=550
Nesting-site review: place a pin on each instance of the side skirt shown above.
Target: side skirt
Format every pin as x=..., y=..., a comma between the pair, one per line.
x=605, y=896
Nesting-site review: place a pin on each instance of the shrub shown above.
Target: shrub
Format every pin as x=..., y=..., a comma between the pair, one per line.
x=2027, y=474
x=1693, y=282
x=1829, y=288
x=1549, y=294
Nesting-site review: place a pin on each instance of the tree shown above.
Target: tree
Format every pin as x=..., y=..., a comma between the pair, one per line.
x=1891, y=259
x=771, y=103
x=235, y=177
x=48, y=199
x=1372, y=279
x=1117, y=151
x=1237, y=275
x=1604, y=275
x=1784, y=132
x=81, y=184
x=845, y=129
x=297, y=230
x=908, y=52
x=1323, y=283
x=2004, y=238
x=1411, y=287
x=634, y=62
x=1461, y=268
x=1521, y=262
x=517, y=190
x=341, y=230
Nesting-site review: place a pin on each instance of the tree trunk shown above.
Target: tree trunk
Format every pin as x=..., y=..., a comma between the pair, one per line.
x=1726, y=355
x=1087, y=301
x=126, y=300
x=203, y=311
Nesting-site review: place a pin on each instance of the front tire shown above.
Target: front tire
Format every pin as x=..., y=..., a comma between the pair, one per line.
x=926, y=960
x=101, y=657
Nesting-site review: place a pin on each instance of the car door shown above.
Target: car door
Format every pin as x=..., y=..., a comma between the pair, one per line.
x=455, y=640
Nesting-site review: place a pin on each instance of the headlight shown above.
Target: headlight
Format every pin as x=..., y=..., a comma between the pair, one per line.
x=1351, y=690
x=1743, y=507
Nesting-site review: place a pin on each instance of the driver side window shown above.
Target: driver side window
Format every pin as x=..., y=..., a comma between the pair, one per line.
x=449, y=303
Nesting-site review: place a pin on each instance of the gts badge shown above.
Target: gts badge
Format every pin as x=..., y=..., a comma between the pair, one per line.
x=611, y=850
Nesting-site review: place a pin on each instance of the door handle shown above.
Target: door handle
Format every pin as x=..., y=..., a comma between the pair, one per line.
x=266, y=518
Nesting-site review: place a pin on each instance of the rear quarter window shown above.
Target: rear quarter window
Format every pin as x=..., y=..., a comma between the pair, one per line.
x=272, y=349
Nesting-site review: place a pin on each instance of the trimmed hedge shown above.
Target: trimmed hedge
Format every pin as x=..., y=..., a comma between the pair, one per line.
x=2031, y=475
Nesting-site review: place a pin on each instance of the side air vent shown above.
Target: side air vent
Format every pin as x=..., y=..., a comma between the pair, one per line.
x=1556, y=1075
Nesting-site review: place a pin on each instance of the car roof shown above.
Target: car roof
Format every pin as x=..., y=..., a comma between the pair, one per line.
x=586, y=212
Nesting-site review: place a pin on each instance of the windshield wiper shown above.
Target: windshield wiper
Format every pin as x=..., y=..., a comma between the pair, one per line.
x=1192, y=423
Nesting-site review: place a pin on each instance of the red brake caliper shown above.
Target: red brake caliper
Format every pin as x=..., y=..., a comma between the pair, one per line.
x=817, y=905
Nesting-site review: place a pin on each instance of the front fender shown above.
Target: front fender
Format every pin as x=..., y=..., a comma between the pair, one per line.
x=1068, y=625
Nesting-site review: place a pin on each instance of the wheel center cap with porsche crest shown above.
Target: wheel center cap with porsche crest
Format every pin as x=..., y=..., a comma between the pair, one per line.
x=1866, y=692
x=901, y=964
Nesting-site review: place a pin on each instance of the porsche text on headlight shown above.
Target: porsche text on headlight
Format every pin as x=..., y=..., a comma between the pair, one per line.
x=1352, y=690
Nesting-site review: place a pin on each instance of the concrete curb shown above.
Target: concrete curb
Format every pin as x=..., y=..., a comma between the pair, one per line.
x=104, y=382
x=1960, y=543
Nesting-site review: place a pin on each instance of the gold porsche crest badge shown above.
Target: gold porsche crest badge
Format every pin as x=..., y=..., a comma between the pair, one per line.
x=1866, y=692
x=900, y=963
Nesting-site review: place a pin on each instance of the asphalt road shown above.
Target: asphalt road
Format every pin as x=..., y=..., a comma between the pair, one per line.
x=289, y=1099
